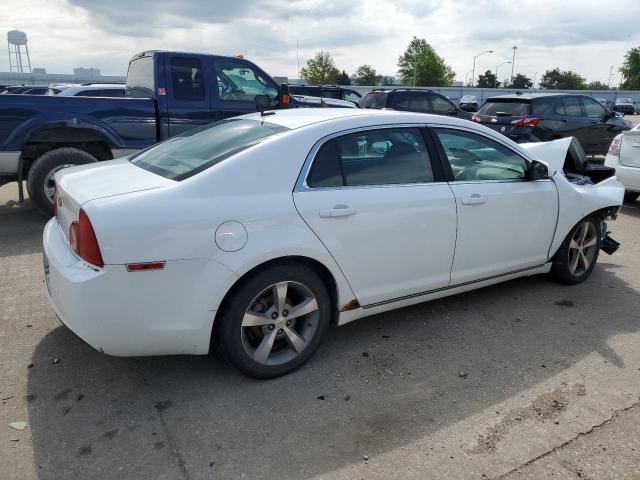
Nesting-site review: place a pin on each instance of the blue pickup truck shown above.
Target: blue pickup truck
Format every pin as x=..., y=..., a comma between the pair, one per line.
x=167, y=93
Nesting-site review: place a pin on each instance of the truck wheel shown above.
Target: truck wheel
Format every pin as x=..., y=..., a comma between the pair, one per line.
x=40, y=181
x=630, y=197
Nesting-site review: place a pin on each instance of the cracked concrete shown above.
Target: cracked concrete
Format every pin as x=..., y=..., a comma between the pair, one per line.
x=551, y=391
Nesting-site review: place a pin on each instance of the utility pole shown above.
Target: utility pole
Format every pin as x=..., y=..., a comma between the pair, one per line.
x=610, y=75
x=513, y=62
x=535, y=76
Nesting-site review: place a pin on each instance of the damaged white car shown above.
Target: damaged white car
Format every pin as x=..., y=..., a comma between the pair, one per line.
x=253, y=235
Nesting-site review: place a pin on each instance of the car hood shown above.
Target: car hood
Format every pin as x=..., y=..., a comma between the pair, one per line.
x=553, y=153
x=106, y=179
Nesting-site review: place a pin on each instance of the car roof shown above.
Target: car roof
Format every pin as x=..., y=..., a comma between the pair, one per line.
x=303, y=117
x=531, y=96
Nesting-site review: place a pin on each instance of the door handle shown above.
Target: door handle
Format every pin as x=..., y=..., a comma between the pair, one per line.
x=338, y=211
x=475, y=199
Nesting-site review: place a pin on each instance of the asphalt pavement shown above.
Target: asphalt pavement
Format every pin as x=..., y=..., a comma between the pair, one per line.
x=527, y=379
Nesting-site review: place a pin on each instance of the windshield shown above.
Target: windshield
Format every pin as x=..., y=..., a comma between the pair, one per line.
x=192, y=152
x=502, y=107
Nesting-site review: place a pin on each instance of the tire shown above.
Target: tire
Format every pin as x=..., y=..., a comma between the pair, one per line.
x=47, y=164
x=247, y=321
x=630, y=197
x=569, y=265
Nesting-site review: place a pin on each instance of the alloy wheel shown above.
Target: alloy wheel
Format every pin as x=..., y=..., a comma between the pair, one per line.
x=279, y=323
x=50, y=182
x=583, y=248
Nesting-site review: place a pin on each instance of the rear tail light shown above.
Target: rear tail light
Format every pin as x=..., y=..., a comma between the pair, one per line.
x=614, y=149
x=83, y=241
x=526, y=122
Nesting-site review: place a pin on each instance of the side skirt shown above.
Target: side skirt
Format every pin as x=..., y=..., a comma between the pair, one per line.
x=365, y=311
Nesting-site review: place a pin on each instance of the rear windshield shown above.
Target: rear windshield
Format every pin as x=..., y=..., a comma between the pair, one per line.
x=374, y=100
x=505, y=107
x=192, y=152
x=140, y=82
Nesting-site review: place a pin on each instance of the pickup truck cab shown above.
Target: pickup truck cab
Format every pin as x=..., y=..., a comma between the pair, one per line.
x=166, y=93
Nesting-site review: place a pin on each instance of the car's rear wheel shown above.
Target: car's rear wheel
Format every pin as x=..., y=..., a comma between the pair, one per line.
x=577, y=256
x=275, y=321
x=630, y=197
x=40, y=181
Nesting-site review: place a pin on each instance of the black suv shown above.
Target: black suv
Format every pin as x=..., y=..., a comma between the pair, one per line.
x=412, y=100
x=540, y=117
x=326, y=91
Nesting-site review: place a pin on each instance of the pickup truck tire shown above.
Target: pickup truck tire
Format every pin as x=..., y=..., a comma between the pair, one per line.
x=42, y=171
x=630, y=197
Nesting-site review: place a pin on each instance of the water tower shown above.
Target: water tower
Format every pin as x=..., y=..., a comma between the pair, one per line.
x=16, y=42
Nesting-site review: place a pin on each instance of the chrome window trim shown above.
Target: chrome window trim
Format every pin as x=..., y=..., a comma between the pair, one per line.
x=301, y=182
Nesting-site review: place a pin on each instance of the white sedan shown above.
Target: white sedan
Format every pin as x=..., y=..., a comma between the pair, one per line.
x=253, y=235
x=624, y=156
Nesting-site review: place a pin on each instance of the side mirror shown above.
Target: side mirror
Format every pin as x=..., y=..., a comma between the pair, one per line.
x=263, y=102
x=538, y=171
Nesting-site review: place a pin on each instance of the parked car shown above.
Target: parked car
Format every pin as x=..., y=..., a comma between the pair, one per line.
x=95, y=90
x=535, y=117
x=252, y=235
x=637, y=107
x=167, y=93
x=410, y=99
x=608, y=104
x=326, y=91
x=625, y=106
x=624, y=156
x=469, y=103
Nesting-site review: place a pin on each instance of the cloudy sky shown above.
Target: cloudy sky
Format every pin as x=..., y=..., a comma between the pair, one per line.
x=581, y=35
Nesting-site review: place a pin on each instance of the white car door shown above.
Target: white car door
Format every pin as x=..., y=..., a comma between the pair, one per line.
x=377, y=200
x=506, y=222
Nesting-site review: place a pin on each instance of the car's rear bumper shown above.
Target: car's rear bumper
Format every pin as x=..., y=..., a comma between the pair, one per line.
x=133, y=313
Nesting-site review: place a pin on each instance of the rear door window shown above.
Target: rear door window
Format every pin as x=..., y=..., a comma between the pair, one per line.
x=511, y=108
x=569, y=106
x=374, y=157
x=187, y=79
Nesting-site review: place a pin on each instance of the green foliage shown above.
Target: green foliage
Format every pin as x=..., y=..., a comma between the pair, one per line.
x=630, y=70
x=488, y=80
x=366, y=75
x=320, y=69
x=421, y=65
x=521, y=81
x=343, y=79
x=597, y=85
x=558, y=80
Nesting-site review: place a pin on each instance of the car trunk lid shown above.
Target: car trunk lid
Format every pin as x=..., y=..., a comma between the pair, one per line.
x=77, y=185
x=503, y=111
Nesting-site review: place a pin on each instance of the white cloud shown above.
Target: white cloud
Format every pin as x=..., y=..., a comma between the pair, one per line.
x=585, y=36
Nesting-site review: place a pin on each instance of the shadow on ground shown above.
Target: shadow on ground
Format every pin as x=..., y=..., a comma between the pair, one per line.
x=375, y=385
x=20, y=226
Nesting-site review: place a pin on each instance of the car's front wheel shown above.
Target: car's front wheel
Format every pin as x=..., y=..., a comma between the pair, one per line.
x=577, y=256
x=275, y=321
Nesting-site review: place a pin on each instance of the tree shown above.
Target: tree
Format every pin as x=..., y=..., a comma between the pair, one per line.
x=366, y=75
x=630, y=70
x=421, y=65
x=521, y=81
x=320, y=69
x=567, y=80
x=343, y=79
x=488, y=80
x=597, y=85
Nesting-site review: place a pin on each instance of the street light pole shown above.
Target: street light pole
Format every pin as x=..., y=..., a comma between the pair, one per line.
x=610, y=75
x=473, y=74
x=535, y=76
x=495, y=82
x=513, y=62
